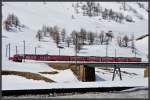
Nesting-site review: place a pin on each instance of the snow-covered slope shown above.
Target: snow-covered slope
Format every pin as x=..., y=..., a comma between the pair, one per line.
x=35, y=14
x=56, y=13
x=22, y=83
x=142, y=46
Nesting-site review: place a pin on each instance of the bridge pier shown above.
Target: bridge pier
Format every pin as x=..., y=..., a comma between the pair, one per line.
x=86, y=74
x=82, y=72
x=116, y=71
x=146, y=72
x=85, y=71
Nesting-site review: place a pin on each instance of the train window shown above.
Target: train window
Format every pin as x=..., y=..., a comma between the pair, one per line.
x=27, y=57
x=45, y=57
x=34, y=57
x=37, y=57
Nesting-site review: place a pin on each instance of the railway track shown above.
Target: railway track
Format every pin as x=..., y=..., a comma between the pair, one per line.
x=60, y=90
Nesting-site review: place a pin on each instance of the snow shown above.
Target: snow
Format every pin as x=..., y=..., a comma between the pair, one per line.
x=19, y=83
x=12, y=82
x=36, y=14
x=142, y=46
x=59, y=17
x=29, y=13
x=64, y=76
x=102, y=75
x=27, y=67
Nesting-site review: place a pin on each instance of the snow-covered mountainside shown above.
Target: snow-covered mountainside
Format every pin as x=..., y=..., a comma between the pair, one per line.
x=33, y=15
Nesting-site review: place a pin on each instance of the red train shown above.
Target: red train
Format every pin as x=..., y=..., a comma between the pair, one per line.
x=18, y=58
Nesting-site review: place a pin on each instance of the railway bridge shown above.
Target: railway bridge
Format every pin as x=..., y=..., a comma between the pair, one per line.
x=85, y=71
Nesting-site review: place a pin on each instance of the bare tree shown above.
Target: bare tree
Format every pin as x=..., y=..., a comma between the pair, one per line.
x=111, y=14
x=57, y=38
x=90, y=8
x=109, y=34
x=68, y=40
x=91, y=37
x=7, y=25
x=56, y=35
x=119, y=40
x=105, y=13
x=141, y=5
x=124, y=5
x=11, y=21
x=73, y=35
x=51, y=31
x=101, y=37
x=78, y=44
x=63, y=34
x=44, y=30
x=82, y=35
x=126, y=40
x=39, y=35
x=76, y=40
x=133, y=44
x=72, y=17
x=120, y=17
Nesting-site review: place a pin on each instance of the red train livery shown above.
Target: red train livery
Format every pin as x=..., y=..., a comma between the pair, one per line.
x=18, y=58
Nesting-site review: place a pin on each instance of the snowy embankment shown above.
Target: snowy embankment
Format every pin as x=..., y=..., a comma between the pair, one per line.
x=66, y=79
x=34, y=15
x=19, y=83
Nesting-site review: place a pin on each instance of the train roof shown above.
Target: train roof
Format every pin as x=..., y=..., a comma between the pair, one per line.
x=69, y=55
